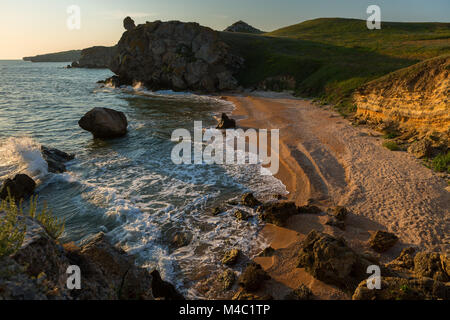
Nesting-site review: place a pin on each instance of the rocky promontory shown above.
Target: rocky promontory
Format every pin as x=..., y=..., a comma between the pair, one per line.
x=175, y=55
x=95, y=58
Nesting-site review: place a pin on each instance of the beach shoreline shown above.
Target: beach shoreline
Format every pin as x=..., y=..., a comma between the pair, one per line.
x=327, y=162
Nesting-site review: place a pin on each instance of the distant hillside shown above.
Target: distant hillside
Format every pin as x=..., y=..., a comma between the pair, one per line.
x=66, y=56
x=401, y=39
x=242, y=27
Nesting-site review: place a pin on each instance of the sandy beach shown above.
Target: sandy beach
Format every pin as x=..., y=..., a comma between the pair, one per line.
x=326, y=161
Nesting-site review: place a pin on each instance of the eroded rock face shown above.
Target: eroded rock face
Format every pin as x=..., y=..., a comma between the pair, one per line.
x=129, y=24
x=415, y=99
x=97, y=57
x=176, y=55
x=104, y=123
x=249, y=200
x=20, y=187
x=431, y=265
x=332, y=261
x=253, y=277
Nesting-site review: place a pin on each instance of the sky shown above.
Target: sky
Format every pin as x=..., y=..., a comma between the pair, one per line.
x=31, y=27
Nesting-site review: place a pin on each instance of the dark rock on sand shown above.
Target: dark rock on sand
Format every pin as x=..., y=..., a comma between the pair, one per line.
x=432, y=265
x=242, y=295
x=381, y=241
x=226, y=123
x=301, y=293
x=253, y=277
x=164, y=290
x=21, y=187
x=104, y=123
x=56, y=159
x=330, y=260
x=277, y=213
x=334, y=222
x=249, y=200
x=404, y=289
x=340, y=213
x=230, y=257
x=309, y=209
x=267, y=252
x=405, y=260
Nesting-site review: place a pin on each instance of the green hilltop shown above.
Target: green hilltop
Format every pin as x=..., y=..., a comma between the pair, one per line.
x=330, y=57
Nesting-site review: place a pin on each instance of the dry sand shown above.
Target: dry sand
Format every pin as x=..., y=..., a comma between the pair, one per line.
x=325, y=159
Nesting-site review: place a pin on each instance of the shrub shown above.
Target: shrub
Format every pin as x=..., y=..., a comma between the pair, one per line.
x=391, y=145
x=12, y=231
x=51, y=224
x=441, y=163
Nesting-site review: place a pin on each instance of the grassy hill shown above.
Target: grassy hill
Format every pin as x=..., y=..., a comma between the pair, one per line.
x=401, y=39
x=330, y=58
x=65, y=56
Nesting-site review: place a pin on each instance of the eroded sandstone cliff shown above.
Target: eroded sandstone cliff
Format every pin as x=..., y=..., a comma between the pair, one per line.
x=414, y=99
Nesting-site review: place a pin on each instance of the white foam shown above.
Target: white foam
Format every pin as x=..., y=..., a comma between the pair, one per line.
x=22, y=155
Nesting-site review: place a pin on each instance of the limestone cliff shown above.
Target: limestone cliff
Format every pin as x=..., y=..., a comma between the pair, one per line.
x=175, y=55
x=415, y=99
x=95, y=57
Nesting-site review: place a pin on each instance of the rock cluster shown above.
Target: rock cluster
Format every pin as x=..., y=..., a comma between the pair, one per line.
x=176, y=55
x=38, y=271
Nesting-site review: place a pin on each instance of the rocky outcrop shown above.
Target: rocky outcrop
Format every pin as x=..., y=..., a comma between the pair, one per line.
x=95, y=58
x=277, y=213
x=249, y=200
x=176, y=55
x=242, y=27
x=432, y=265
x=404, y=289
x=20, y=187
x=129, y=24
x=253, y=277
x=414, y=99
x=381, y=241
x=38, y=271
x=330, y=259
x=56, y=159
x=230, y=257
x=104, y=123
x=65, y=56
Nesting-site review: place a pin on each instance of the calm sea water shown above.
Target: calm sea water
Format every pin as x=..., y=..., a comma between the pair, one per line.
x=127, y=187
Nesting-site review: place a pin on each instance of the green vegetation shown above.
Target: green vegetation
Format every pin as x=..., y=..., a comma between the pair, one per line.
x=53, y=225
x=12, y=231
x=13, y=228
x=391, y=145
x=330, y=58
x=441, y=163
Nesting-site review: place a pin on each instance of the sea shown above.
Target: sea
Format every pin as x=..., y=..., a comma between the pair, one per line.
x=129, y=188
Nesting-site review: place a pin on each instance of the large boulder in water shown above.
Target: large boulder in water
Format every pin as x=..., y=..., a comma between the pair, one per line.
x=21, y=187
x=226, y=123
x=104, y=123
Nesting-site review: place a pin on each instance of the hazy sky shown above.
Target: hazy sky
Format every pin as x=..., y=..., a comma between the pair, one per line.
x=30, y=27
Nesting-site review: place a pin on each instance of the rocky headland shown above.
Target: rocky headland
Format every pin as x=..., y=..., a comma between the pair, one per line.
x=65, y=56
x=175, y=55
x=94, y=58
